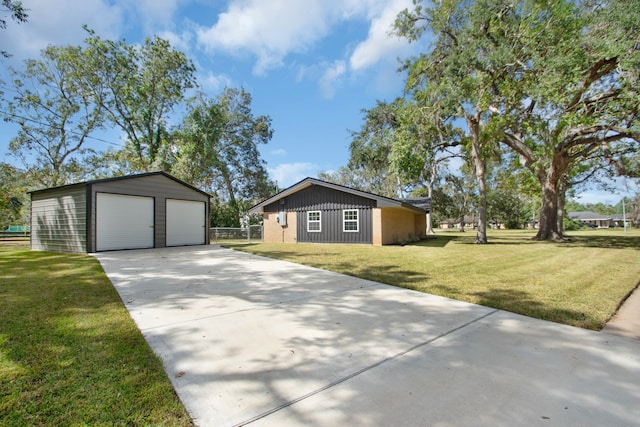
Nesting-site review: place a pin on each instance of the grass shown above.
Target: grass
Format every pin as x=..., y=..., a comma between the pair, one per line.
x=70, y=354
x=579, y=283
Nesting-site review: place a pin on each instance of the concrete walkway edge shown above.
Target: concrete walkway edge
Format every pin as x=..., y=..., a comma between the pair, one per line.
x=626, y=322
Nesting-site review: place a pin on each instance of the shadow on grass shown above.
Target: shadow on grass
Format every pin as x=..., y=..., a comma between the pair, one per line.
x=440, y=240
x=505, y=238
x=70, y=352
x=608, y=242
x=389, y=274
x=521, y=302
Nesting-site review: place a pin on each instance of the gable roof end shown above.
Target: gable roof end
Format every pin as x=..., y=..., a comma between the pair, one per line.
x=381, y=201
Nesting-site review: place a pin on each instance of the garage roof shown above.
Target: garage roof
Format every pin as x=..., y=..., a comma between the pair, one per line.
x=118, y=178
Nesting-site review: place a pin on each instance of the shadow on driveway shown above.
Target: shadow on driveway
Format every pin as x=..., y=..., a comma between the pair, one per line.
x=252, y=340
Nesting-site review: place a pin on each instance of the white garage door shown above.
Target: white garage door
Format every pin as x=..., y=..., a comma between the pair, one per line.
x=123, y=222
x=186, y=223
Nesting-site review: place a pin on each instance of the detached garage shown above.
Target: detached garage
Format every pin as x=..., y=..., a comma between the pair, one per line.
x=149, y=210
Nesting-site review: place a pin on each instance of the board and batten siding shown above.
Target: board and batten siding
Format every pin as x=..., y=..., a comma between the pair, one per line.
x=332, y=230
x=331, y=203
x=160, y=188
x=59, y=219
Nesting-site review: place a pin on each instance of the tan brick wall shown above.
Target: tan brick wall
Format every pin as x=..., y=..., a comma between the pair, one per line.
x=400, y=224
x=376, y=224
x=421, y=225
x=273, y=232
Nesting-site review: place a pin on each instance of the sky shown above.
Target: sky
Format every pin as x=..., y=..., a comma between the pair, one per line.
x=310, y=65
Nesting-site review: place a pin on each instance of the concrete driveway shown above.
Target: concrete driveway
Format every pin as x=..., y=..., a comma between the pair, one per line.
x=250, y=340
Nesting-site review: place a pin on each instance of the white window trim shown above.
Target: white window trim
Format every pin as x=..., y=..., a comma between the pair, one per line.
x=345, y=221
x=318, y=221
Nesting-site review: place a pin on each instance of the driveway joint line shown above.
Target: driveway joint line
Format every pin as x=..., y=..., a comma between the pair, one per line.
x=365, y=369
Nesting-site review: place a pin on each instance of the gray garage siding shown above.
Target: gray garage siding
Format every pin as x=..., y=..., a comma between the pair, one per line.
x=58, y=220
x=64, y=218
x=160, y=187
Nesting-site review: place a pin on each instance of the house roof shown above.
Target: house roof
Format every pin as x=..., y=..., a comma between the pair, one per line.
x=381, y=201
x=118, y=178
x=620, y=217
x=423, y=203
x=587, y=216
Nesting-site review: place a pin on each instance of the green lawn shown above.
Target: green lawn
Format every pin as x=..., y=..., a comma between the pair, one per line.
x=578, y=283
x=70, y=354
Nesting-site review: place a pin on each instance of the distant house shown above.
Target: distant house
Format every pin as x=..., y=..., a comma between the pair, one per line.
x=591, y=218
x=618, y=220
x=449, y=223
x=316, y=211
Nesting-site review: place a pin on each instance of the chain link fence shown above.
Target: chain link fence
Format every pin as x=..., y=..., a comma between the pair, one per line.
x=236, y=234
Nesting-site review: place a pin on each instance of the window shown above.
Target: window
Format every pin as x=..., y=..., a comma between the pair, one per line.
x=350, y=220
x=313, y=222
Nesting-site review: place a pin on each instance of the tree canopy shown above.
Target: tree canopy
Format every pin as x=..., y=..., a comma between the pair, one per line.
x=70, y=92
x=217, y=146
x=56, y=113
x=554, y=82
x=138, y=87
x=16, y=12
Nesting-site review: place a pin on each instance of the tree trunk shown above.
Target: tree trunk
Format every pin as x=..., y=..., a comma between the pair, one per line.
x=429, y=219
x=548, y=225
x=562, y=193
x=476, y=153
x=232, y=200
x=481, y=236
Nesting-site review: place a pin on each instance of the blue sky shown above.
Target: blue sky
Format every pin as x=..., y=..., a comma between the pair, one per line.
x=311, y=65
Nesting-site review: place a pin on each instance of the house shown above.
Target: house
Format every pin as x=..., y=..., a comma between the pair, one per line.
x=149, y=210
x=619, y=220
x=591, y=218
x=470, y=221
x=316, y=211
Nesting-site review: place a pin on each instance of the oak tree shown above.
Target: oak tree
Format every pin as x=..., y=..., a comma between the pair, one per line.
x=56, y=113
x=217, y=147
x=142, y=84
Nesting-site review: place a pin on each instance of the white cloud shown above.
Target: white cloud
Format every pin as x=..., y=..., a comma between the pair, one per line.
x=180, y=41
x=380, y=45
x=331, y=78
x=268, y=30
x=615, y=190
x=211, y=82
x=272, y=30
x=60, y=23
x=595, y=196
x=155, y=13
x=287, y=174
